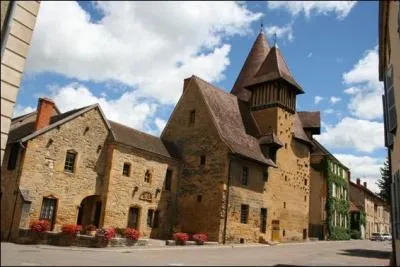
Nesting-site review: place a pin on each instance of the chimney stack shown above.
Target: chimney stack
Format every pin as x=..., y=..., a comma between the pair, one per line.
x=365, y=184
x=358, y=181
x=45, y=109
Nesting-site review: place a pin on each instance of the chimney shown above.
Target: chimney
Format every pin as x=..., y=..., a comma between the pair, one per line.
x=358, y=181
x=44, y=112
x=365, y=184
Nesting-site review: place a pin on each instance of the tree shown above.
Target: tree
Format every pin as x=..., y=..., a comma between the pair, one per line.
x=384, y=183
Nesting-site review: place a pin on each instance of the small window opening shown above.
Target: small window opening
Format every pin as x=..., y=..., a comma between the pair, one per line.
x=202, y=160
x=199, y=198
x=126, y=169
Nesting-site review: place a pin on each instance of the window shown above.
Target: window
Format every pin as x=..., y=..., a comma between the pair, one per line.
x=168, y=180
x=245, y=173
x=150, y=214
x=12, y=160
x=333, y=190
x=202, y=160
x=48, y=211
x=192, y=117
x=305, y=181
x=156, y=219
x=69, y=165
x=305, y=198
x=244, y=213
x=284, y=205
x=391, y=105
x=199, y=198
x=126, y=169
x=147, y=176
x=263, y=220
x=283, y=232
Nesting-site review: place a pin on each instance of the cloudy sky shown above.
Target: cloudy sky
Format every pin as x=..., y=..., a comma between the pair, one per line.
x=132, y=57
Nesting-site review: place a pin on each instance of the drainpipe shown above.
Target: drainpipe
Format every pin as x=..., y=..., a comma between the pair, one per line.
x=16, y=192
x=227, y=200
x=391, y=207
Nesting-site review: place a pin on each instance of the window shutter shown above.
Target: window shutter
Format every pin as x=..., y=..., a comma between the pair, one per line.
x=388, y=134
x=390, y=98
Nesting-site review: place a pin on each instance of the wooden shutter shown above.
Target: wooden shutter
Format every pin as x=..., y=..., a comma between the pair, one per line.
x=390, y=101
x=388, y=134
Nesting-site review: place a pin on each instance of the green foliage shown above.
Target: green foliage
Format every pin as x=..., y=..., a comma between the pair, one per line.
x=384, y=182
x=362, y=218
x=355, y=234
x=340, y=233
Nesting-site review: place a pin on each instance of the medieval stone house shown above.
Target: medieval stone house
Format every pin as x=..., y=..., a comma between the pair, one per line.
x=233, y=165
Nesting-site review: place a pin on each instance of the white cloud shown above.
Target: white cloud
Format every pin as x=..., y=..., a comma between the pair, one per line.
x=365, y=88
x=150, y=46
x=20, y=110
x=160, y=123
x=340, y=8
x=285, y=32
x=317, y=99
x=329, y=111
x=363, y=167
x=363, y=135
x=334, y=99
x=309, y=55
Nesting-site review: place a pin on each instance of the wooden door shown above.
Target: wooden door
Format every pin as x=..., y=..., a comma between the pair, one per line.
x=275, y=230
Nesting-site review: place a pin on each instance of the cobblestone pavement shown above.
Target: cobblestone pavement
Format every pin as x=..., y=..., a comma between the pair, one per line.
x=356, y=252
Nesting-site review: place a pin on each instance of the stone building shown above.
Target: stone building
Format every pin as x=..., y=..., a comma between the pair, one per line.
x=18, y=19
x=78, y=167
x=375, y=210
x=246, y=154
x=329, y=195
x=389, y=73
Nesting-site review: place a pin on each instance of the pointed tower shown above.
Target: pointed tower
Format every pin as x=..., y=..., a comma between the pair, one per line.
x=273, y=92
x=250, y=67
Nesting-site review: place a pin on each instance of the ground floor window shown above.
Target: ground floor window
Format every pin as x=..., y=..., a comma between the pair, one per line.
x=133, y=218
x=153, y=218
x=244, y=213
x=263, y=220
x=48, y=211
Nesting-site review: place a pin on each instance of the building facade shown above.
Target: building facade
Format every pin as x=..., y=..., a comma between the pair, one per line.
x=329, y=195
x=376, y=211
x=18, y=19
x=389, y=73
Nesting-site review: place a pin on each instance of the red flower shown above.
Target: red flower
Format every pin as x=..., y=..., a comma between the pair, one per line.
x=40, y=226
x=200, y=238
x=181, y=237
x=107, y=234
x=132, y=234
x=72, y=229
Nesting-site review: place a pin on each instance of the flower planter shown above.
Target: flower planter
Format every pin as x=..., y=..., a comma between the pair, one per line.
x=92, y=233
x=130, y=242
x=66, y=240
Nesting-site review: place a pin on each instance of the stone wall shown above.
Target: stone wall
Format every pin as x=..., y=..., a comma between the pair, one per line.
x=318, y=196
x=207, y=181
x=42, y=169
x=121, y=194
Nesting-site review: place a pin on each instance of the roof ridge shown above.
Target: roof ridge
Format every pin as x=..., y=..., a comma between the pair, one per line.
x=131, y=128
x=215, y=87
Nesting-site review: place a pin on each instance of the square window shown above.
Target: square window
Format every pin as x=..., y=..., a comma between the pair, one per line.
x=244, y=213
x=126, y=169
x=245, y=173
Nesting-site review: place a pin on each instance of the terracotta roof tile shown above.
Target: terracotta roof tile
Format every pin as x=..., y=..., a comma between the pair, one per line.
x=224, y=108
x=270, y=139
x=298, y=129
x=250, y=67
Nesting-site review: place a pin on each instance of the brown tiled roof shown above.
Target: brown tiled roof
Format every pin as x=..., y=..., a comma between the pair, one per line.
x=274, y=67
x=224, y=108
x=320, y=150
x=23, y=126
x=250, y=67
x=369, y=192
x=131, y=137
x=310, y=119
x=270, y=139
x=298, y=129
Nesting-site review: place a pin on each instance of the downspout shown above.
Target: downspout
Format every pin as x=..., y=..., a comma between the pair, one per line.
x=391, y=207
x=16, y=192
x=227, y=200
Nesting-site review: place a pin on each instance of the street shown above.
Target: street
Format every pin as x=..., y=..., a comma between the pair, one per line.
x=355, y=252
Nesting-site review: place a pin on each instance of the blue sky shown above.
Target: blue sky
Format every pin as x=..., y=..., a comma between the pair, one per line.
x=132, y=57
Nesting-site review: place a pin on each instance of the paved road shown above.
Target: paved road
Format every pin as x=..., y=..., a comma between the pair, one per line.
x=358, y=252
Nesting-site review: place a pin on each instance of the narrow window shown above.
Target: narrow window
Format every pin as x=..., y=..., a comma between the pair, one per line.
x=305, y=181
x=283, y=232
x=245, y=172
x=192, y=117
x=263, y=220
x=150, y=214
x=168, y=180
x=147, y=176
x=126, y=169
x=199, y=198
x=70, y=158
x=48, y=211
x=156, y=219
x=12, y=160
x=284, y=205
x=305, y=198
x=244, y=213
x=203, y=160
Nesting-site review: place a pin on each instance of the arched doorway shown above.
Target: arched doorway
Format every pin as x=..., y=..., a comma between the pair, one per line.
x=90, y=211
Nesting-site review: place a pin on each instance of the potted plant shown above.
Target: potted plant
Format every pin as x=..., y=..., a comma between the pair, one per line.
x=90, y=230
x=181, y=238
x=103, y=236
x=39, y=227
x=200, y=238
x=69, y=232
x=132, y=236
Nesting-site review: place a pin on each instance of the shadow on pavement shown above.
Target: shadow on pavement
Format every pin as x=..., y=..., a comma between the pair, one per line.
x=367, y=253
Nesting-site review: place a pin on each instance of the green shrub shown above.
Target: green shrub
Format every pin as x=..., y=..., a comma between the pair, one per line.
x=340, y=233
x=355, y=234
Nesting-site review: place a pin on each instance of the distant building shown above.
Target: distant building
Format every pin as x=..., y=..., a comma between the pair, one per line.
x=375, y=210
x=329, y=195
x=389, y=73
x=18, y=20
